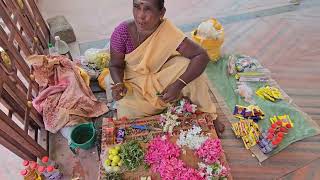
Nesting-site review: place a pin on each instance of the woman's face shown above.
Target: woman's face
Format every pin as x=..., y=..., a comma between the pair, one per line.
x=147, y=14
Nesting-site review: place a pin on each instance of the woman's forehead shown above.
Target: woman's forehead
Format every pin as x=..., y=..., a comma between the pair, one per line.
x=144, y=2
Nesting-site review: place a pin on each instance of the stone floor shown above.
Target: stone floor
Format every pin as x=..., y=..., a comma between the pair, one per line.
x=284, y=37
x=95, y=20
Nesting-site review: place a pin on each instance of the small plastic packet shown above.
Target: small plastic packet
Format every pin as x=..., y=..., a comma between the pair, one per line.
x=246, y=92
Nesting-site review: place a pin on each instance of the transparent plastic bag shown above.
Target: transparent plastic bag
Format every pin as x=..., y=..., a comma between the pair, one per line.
x=247, y=64
x=246, y=92
x=97, y=58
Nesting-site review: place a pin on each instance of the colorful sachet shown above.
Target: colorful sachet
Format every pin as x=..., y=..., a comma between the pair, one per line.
x=269, y=140
x=250, y=112
x=269, y=93
x=248, y=130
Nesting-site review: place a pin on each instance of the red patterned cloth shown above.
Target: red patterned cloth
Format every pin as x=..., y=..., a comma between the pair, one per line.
x=65, y=99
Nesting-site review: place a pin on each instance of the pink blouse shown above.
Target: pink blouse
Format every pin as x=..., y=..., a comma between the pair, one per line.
x=121, y=40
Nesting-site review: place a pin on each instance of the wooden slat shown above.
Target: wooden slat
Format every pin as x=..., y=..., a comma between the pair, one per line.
x=37, y=118
x=20, y=90
x=21, y=98
x=12, y=36
x=9, y=102
x=14, y=54
x=34, y=23
x=13, y=131
x=29, y=104
x=14, y=94
x=38, y=16
x=7, y=19
x=30, y=29
x=12, y=73
x=11, y=145
x=36, y=134
x=18, y=17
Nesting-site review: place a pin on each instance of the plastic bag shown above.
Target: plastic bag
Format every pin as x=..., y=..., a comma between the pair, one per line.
x=247, y=64
x=245, y=91
x=231, y=65
x=66, y=132
x=210, y=36
x=97, y=58
x=92, y=72
x=209, y=30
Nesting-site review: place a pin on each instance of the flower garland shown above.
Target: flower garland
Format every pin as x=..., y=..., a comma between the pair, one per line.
x=169, y=121
x=184, y=106
x=163, y=156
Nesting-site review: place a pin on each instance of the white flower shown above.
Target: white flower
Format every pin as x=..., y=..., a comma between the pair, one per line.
x=179, y=110
x=182, y=102
x=170, y=122
x=192, y=138
x=209, y=170
x=163, y=138
x=194, y=108
x=201, y=165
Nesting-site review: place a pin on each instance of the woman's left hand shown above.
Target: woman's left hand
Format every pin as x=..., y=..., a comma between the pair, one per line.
x=172, y=92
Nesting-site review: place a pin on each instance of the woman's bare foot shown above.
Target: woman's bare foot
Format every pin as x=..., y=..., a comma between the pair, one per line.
x=219, y=126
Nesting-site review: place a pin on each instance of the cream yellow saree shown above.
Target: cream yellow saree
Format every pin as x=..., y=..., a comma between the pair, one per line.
x=153, y=66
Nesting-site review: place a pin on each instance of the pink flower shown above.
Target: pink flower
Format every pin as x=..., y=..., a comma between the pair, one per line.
x=163, y=157
x=189, y=108
x=175, y=169
x=225, y=171
x=159, y=149
x=162, y=119
x=210, y=151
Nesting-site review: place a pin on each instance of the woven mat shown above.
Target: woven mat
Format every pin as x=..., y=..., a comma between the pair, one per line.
x=189, y=158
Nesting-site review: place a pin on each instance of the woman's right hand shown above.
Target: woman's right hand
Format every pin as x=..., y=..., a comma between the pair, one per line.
x=118, y=91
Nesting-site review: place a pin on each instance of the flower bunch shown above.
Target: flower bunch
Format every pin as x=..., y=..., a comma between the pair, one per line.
x=191, y=138
x=214, y=171
x=169, y=121
x=210, y=151
x=163, y=157
x=184, y=106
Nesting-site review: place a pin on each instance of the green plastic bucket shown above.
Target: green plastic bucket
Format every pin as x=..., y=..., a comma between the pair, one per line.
x=83, y=136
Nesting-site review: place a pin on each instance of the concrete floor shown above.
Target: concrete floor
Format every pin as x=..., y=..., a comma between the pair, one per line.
x=253, y=27
x=95, y=20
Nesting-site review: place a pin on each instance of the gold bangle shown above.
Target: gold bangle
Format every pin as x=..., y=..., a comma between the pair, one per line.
x=118, y=84
x=183, y=81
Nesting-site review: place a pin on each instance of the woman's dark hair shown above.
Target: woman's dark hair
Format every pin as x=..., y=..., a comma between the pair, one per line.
x=161, y=4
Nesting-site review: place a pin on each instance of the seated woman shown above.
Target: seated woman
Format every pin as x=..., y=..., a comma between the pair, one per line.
x=154, y=56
